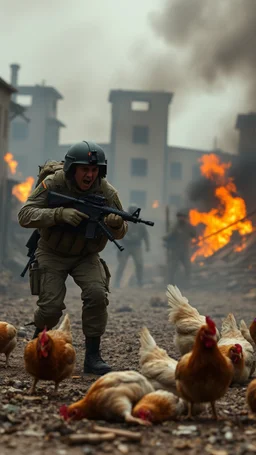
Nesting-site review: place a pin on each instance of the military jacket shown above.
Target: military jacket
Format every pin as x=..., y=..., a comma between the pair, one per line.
x=55, y=235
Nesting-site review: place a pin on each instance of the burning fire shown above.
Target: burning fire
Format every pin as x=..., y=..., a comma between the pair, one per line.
x=231, y=209
x=21, y=190
x=155, y=204
x=11, y=162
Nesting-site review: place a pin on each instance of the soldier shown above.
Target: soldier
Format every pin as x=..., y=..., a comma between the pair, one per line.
x=63, y=249
x=178, y=242
x=132, y=243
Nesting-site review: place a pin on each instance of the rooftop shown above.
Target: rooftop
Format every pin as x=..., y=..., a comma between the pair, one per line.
x=7, y=86
x=138, y=95
x=246, y=120
x=39, y=90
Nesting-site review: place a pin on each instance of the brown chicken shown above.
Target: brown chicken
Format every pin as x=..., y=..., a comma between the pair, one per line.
x=186, y=319
x=8, y=340
x=230, y=335
x=204, y=375
x=159, y=406
x=155, y=363
x=235, y=354
x=252, y=330
x=251, y=395
x=111, y=397
x=51, y=356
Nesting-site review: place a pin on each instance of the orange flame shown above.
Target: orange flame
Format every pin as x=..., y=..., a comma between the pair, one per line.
x=155, y=204
x=23, y=190
x=11, y=162
x=231, y=209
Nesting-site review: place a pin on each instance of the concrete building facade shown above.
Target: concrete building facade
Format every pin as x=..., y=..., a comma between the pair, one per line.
x=6, y=90
x=33, y=142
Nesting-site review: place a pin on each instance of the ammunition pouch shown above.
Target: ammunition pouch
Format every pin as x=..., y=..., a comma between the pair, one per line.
x=34, y=278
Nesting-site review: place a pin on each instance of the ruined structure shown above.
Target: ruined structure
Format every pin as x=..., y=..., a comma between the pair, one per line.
x=6, y=91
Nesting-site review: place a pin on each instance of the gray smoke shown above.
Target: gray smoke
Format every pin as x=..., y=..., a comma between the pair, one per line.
x=209, y=46
x=218, y=37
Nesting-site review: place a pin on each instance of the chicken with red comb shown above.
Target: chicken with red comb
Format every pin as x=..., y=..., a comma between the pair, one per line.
x=51, y=356
x=204, y=375
x=111, y=397
x=233, y=344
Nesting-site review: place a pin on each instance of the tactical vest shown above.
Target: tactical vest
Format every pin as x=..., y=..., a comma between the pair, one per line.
x=65, y=240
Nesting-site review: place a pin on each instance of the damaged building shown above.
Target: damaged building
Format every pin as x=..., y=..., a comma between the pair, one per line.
x=138, y=152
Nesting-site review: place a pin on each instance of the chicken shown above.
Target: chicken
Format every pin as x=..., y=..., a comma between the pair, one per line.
x=235, y=353
x=8, y=340
x=251, y=395
x=159, y=406
x=156, y=365
x=51, y=356
x=186, y=319
x=252, y=330
x=246, y=333
x=111, y=397
x=230, y=335
x=204, y=375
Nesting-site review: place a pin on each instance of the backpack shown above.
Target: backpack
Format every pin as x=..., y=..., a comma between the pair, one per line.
x=48, y=168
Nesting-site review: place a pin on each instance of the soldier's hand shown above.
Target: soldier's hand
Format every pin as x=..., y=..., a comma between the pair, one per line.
x=114, y=221
x=73, y=216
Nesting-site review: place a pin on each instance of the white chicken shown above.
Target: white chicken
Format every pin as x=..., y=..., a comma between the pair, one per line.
x=155, y=363
x=186, y=319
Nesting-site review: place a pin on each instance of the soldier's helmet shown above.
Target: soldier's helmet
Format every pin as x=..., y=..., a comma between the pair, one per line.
x=85, y=152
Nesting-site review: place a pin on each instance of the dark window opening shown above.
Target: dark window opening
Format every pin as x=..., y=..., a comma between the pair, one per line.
x=140, y=134
x=176, y=171
x=139, y=167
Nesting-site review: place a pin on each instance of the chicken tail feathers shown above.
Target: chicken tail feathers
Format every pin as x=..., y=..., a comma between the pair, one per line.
x=146, y=340
x=229, y=324
x=65, y=325
x=178, y=304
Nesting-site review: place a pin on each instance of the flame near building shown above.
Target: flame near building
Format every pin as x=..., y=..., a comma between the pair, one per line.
x=230, y=210
x=22, y=190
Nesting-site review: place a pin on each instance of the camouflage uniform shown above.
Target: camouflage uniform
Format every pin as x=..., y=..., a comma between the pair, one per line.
x=64, y=250
x=133, y=247
x=178, y=247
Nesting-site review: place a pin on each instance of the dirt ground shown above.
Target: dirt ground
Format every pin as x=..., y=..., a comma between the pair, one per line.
x=33, y=425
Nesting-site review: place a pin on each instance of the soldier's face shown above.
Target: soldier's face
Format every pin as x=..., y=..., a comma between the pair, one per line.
x=85, y=176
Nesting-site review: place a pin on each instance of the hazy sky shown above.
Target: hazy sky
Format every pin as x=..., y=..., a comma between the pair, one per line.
x=86, y=48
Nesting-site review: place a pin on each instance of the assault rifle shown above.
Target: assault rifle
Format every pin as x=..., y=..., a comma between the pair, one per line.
x=95, y=207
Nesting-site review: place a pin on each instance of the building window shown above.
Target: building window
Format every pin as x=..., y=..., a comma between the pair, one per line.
x=176, y=171
x=139, y=167
x=138, y=198
x=140, y=106
x=196, y=174
x=176, y=200
x=19, y=130
x=140, y=134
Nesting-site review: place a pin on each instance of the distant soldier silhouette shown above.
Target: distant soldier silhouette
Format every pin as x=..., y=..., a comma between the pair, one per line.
x=132, y=242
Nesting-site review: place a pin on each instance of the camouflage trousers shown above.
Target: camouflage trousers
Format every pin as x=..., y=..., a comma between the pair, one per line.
x=123, y=257
x=90, y=273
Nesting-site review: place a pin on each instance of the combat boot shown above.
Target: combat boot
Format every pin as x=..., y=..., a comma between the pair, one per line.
x=93, y=363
